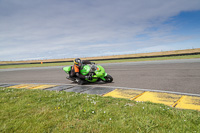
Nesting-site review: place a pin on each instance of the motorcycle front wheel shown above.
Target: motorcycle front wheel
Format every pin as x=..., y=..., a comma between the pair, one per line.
x=108, y=78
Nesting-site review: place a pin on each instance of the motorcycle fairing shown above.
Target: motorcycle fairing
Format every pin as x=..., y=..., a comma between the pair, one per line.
x=99, y=73
x=67, y=69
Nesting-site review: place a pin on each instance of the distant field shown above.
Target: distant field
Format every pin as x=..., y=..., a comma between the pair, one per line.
x=98, y=62
x=113, y=57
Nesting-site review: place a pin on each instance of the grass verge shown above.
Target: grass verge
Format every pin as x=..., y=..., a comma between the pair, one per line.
x=23, y=110
x=106, y=61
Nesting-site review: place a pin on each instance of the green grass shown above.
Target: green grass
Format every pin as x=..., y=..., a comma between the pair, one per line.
x=106, y=61
x=23, y=110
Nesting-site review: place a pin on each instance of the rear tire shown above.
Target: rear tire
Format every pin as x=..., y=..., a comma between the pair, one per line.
x=108, y=78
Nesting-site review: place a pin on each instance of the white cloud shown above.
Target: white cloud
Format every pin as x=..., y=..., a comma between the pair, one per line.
x=67, y=27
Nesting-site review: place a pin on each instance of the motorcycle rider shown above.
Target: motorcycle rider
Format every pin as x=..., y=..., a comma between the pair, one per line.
x=75, y=71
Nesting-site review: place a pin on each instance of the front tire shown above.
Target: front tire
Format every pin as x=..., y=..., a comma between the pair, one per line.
x=108, y=78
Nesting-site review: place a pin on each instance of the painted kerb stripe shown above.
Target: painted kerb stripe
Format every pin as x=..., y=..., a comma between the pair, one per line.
x=123, y=93
x=170, y=99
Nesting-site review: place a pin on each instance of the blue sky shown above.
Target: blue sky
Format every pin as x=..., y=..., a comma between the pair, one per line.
x=51, y=29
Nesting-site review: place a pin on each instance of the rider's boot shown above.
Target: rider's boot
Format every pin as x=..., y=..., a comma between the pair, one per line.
x=70, y=78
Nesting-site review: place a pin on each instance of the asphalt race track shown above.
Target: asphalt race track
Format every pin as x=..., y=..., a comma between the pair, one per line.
x=172, y=75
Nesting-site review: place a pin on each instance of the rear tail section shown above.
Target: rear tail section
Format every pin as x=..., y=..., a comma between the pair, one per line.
x=67, y=69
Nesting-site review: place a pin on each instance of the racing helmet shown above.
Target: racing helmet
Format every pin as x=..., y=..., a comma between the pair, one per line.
x=77, y=62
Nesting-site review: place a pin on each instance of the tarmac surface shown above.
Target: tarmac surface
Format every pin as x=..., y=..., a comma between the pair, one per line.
x=170, y=75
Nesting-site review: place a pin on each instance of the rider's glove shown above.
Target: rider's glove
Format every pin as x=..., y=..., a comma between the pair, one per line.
x=88, y=77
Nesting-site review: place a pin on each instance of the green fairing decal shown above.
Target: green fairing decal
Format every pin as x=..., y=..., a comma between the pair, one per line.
x=85, y=70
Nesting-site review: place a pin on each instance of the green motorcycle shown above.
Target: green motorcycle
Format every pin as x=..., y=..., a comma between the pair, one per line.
x=96, y=71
